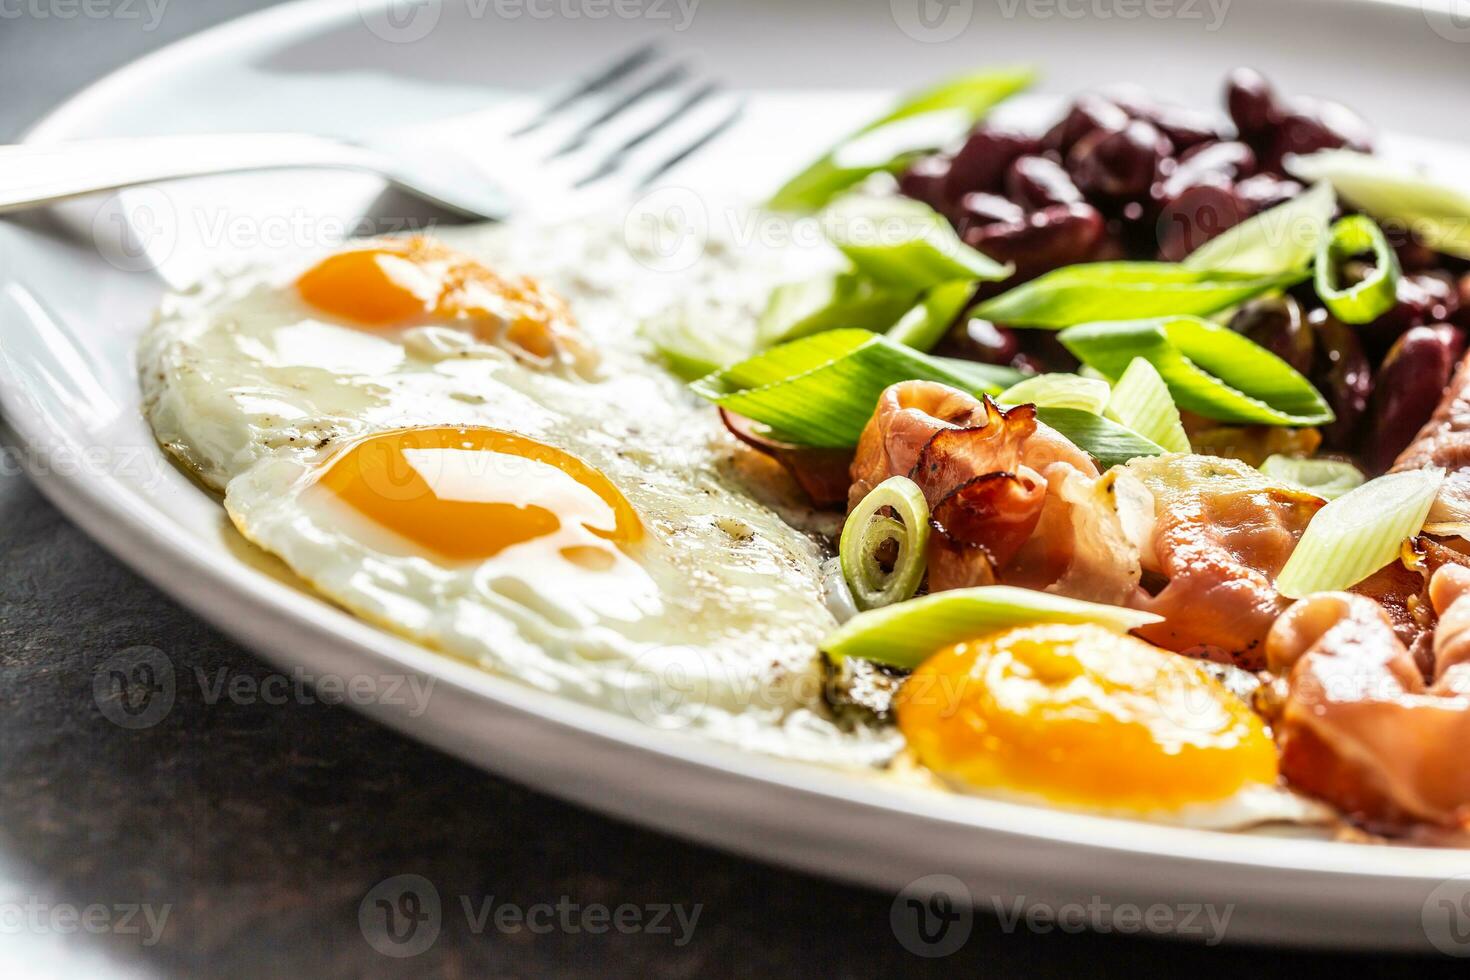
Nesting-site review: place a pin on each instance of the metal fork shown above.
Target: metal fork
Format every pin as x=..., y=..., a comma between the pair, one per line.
x=636, y=118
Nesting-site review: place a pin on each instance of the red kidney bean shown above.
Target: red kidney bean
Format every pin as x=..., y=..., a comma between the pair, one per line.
x=1251, y=101
x=1265, y=191
x=924, y=180
x=1193, y=217
x=1088, y=114
x=1410, y=383
x=1309, y=125
x=1277, y=324
x=1422, y=298
x=979, y=209
x=1120, y=165
x=982, y=161
x=1062, y=234
x=1184, y=126
x=975, y=339
x=1343, y=376
x=1036, y=182
x=1221, y=164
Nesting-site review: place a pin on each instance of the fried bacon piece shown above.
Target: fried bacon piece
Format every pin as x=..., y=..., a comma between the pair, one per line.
x=821, y=473
x=1220, y=534
x=1402, y=589
x=1359, y=725
x=1010, y=498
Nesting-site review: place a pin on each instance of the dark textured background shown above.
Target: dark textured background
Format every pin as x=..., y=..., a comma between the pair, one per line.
x=264, y=827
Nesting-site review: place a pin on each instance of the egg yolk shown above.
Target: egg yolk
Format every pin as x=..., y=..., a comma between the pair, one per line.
x=400, y=283
x=1082, y=716
x=469, y=494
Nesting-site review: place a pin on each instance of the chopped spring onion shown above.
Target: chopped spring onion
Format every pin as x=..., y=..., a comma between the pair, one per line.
x=867, y=531
x=821, y=390
x=907, y=633
x=1359, y=532
x=1124, y=290
x=926, y=324
x=1327, y=478
x=1398, y=197
x=690, y=351
x=927, y=120
x=1058, y=390
x=800, y=309
x=904, y=244
x=1279, y=240
x=1209, y=369
x=1141, y=401
x=1376, y=294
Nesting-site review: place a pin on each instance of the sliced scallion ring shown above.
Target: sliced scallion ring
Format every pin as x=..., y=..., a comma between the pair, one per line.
x=1327, y=478
x=1141, y=401
x=1365, y=301
x=868, y=530
x=1058, y=390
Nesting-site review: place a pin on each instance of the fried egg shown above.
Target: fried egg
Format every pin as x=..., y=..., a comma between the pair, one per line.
x=489, y=464
x=1079, y=717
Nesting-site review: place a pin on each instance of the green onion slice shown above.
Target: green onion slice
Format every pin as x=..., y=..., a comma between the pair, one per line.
x=868, y=530
x=907, y=633
x=926, y=324
x=1365, y=301
x=1277, y=241
x=1327, y=478
x=1359, y=532
x=927, y=120
x=1058, y=390
x=1094, y=291
x=1437, y=214
x=846, y=299
x=1141, y=401
x=904, y=244
x=1209, y=369
x=690, y=352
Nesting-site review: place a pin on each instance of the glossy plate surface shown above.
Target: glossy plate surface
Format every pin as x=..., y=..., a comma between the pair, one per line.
x=73, y=297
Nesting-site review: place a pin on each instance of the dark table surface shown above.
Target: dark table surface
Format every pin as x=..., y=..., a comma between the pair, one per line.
x=260, y=830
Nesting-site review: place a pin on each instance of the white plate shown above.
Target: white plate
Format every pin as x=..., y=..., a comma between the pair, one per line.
x=69, y=313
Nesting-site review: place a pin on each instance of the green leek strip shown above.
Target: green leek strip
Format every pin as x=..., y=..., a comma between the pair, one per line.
x=800, y=309
x=1141, y=401
x=867, y=530
x=1125, y=290
x=1058, y=390
x=822, y=390
x=1365, y=301
x=1209, y=369
x=925, y=121
x=926, y=324
x=1437, y=214
x=908, y=633
x=904, y=244
x=1359, y=532
x=1277, y=241
x=1327, y=478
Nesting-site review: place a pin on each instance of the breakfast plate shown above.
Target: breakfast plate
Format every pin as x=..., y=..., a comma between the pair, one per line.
x=78, y=290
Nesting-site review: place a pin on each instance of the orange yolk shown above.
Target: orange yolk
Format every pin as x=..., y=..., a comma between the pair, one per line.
x=1082, y=716
x=400, y=283
x=469, y=494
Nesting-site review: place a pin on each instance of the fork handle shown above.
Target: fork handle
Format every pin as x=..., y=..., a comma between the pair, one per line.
x=44, y=173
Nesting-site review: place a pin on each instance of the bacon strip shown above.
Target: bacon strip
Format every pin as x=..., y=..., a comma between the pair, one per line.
x=1222, y=532
x=1360, y=726
x=821, y=473
x=1445, y=441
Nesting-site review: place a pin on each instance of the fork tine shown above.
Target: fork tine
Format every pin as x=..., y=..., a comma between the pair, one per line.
x=579, y=139
x=615, y=157
x=716, y=129
x=616, y=70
